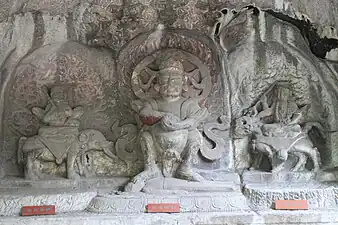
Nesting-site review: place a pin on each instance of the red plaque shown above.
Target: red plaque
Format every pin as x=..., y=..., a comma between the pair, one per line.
x=291, y=205
x=163, y=208
x=38, y=210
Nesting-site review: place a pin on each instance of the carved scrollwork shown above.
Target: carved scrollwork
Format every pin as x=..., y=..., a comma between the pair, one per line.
x=218, y=142
x=126, y=143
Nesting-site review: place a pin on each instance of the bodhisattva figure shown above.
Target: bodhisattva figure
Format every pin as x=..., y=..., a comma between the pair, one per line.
x=169, y=137
x=278, y=138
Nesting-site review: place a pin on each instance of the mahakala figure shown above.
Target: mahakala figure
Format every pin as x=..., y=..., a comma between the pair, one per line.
x=169, y=137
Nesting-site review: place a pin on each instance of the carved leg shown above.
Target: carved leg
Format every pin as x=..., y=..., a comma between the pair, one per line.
x=256, y=161
x=185, y=170
x=315, y=156
x=151, y=170
x=71, y=158
x=283, y=155
x=32, y=171
x=302, y=158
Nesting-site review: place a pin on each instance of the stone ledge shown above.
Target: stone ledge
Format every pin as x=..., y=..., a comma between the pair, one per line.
x=263, y=196
x=11, y=202
x=192, y=202
x=16, y=182
x=248, y=218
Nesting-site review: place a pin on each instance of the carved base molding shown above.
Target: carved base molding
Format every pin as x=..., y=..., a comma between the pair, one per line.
x=12, y=200
x=250, y=177
x=320, y=196
x=19, y=183
x=193, y=202
x=248, y=218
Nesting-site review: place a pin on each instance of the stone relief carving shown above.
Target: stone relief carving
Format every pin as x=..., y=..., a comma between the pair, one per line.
x=174, y=125
x=59, y=138
x=169, y=137
x=218, y=142
x=275, y=131
x=126, y=145
x=196, y=84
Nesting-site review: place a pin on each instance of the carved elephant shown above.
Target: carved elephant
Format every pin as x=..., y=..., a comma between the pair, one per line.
x=58, y=145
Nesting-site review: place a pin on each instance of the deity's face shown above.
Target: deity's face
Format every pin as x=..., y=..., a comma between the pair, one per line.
x=171, y=78
x=171, y=84
x=58, y=94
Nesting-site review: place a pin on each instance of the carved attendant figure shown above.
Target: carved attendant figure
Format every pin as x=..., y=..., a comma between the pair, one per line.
x=169, y=138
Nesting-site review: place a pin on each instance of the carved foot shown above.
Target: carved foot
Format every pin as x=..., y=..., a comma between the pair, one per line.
x=31, y=176
x=140, y=180
x=187, y=173
x=73, y=176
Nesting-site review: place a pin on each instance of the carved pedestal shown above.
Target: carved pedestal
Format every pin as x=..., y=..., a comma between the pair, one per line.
x=192, y=202
x=262, y=189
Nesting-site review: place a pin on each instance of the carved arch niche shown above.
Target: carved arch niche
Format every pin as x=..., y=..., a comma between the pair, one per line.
x=138, y=65
x=87, y=74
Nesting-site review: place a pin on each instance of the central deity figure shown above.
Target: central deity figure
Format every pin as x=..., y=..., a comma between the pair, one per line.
x=169, y=137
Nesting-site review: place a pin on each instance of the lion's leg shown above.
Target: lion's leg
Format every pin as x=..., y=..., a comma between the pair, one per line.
x=256, y=160
x=283, y=155
x=300, y=165
x=315, y=156
x=278, y=168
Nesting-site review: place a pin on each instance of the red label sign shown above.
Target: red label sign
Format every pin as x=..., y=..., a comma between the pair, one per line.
x=163, y=208
x=291, y=205
x=38, y=210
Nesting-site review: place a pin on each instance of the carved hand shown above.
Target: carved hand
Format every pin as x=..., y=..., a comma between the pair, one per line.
x=170, y=122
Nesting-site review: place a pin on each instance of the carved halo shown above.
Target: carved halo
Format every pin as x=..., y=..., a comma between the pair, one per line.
x=195, y=49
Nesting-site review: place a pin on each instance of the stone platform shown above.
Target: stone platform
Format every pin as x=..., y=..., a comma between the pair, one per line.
x=262, y=189
x=270, y=217
x=19, y=182
x=65, y=200
x=192, y=202
x=96, y=205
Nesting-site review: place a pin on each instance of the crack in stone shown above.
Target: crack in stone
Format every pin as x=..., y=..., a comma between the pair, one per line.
x=319, y=46
x=39, y=30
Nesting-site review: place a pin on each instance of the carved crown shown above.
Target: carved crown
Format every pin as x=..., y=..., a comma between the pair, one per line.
x=171, y=64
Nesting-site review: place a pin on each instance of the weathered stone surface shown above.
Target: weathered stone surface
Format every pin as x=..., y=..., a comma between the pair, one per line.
x=252, y=218
x=159, y=90
x=191, y=202
x=263, y=196
x=89, y=183
x=64, y=200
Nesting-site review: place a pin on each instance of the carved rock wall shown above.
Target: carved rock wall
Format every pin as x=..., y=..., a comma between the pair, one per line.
x=77, y=42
